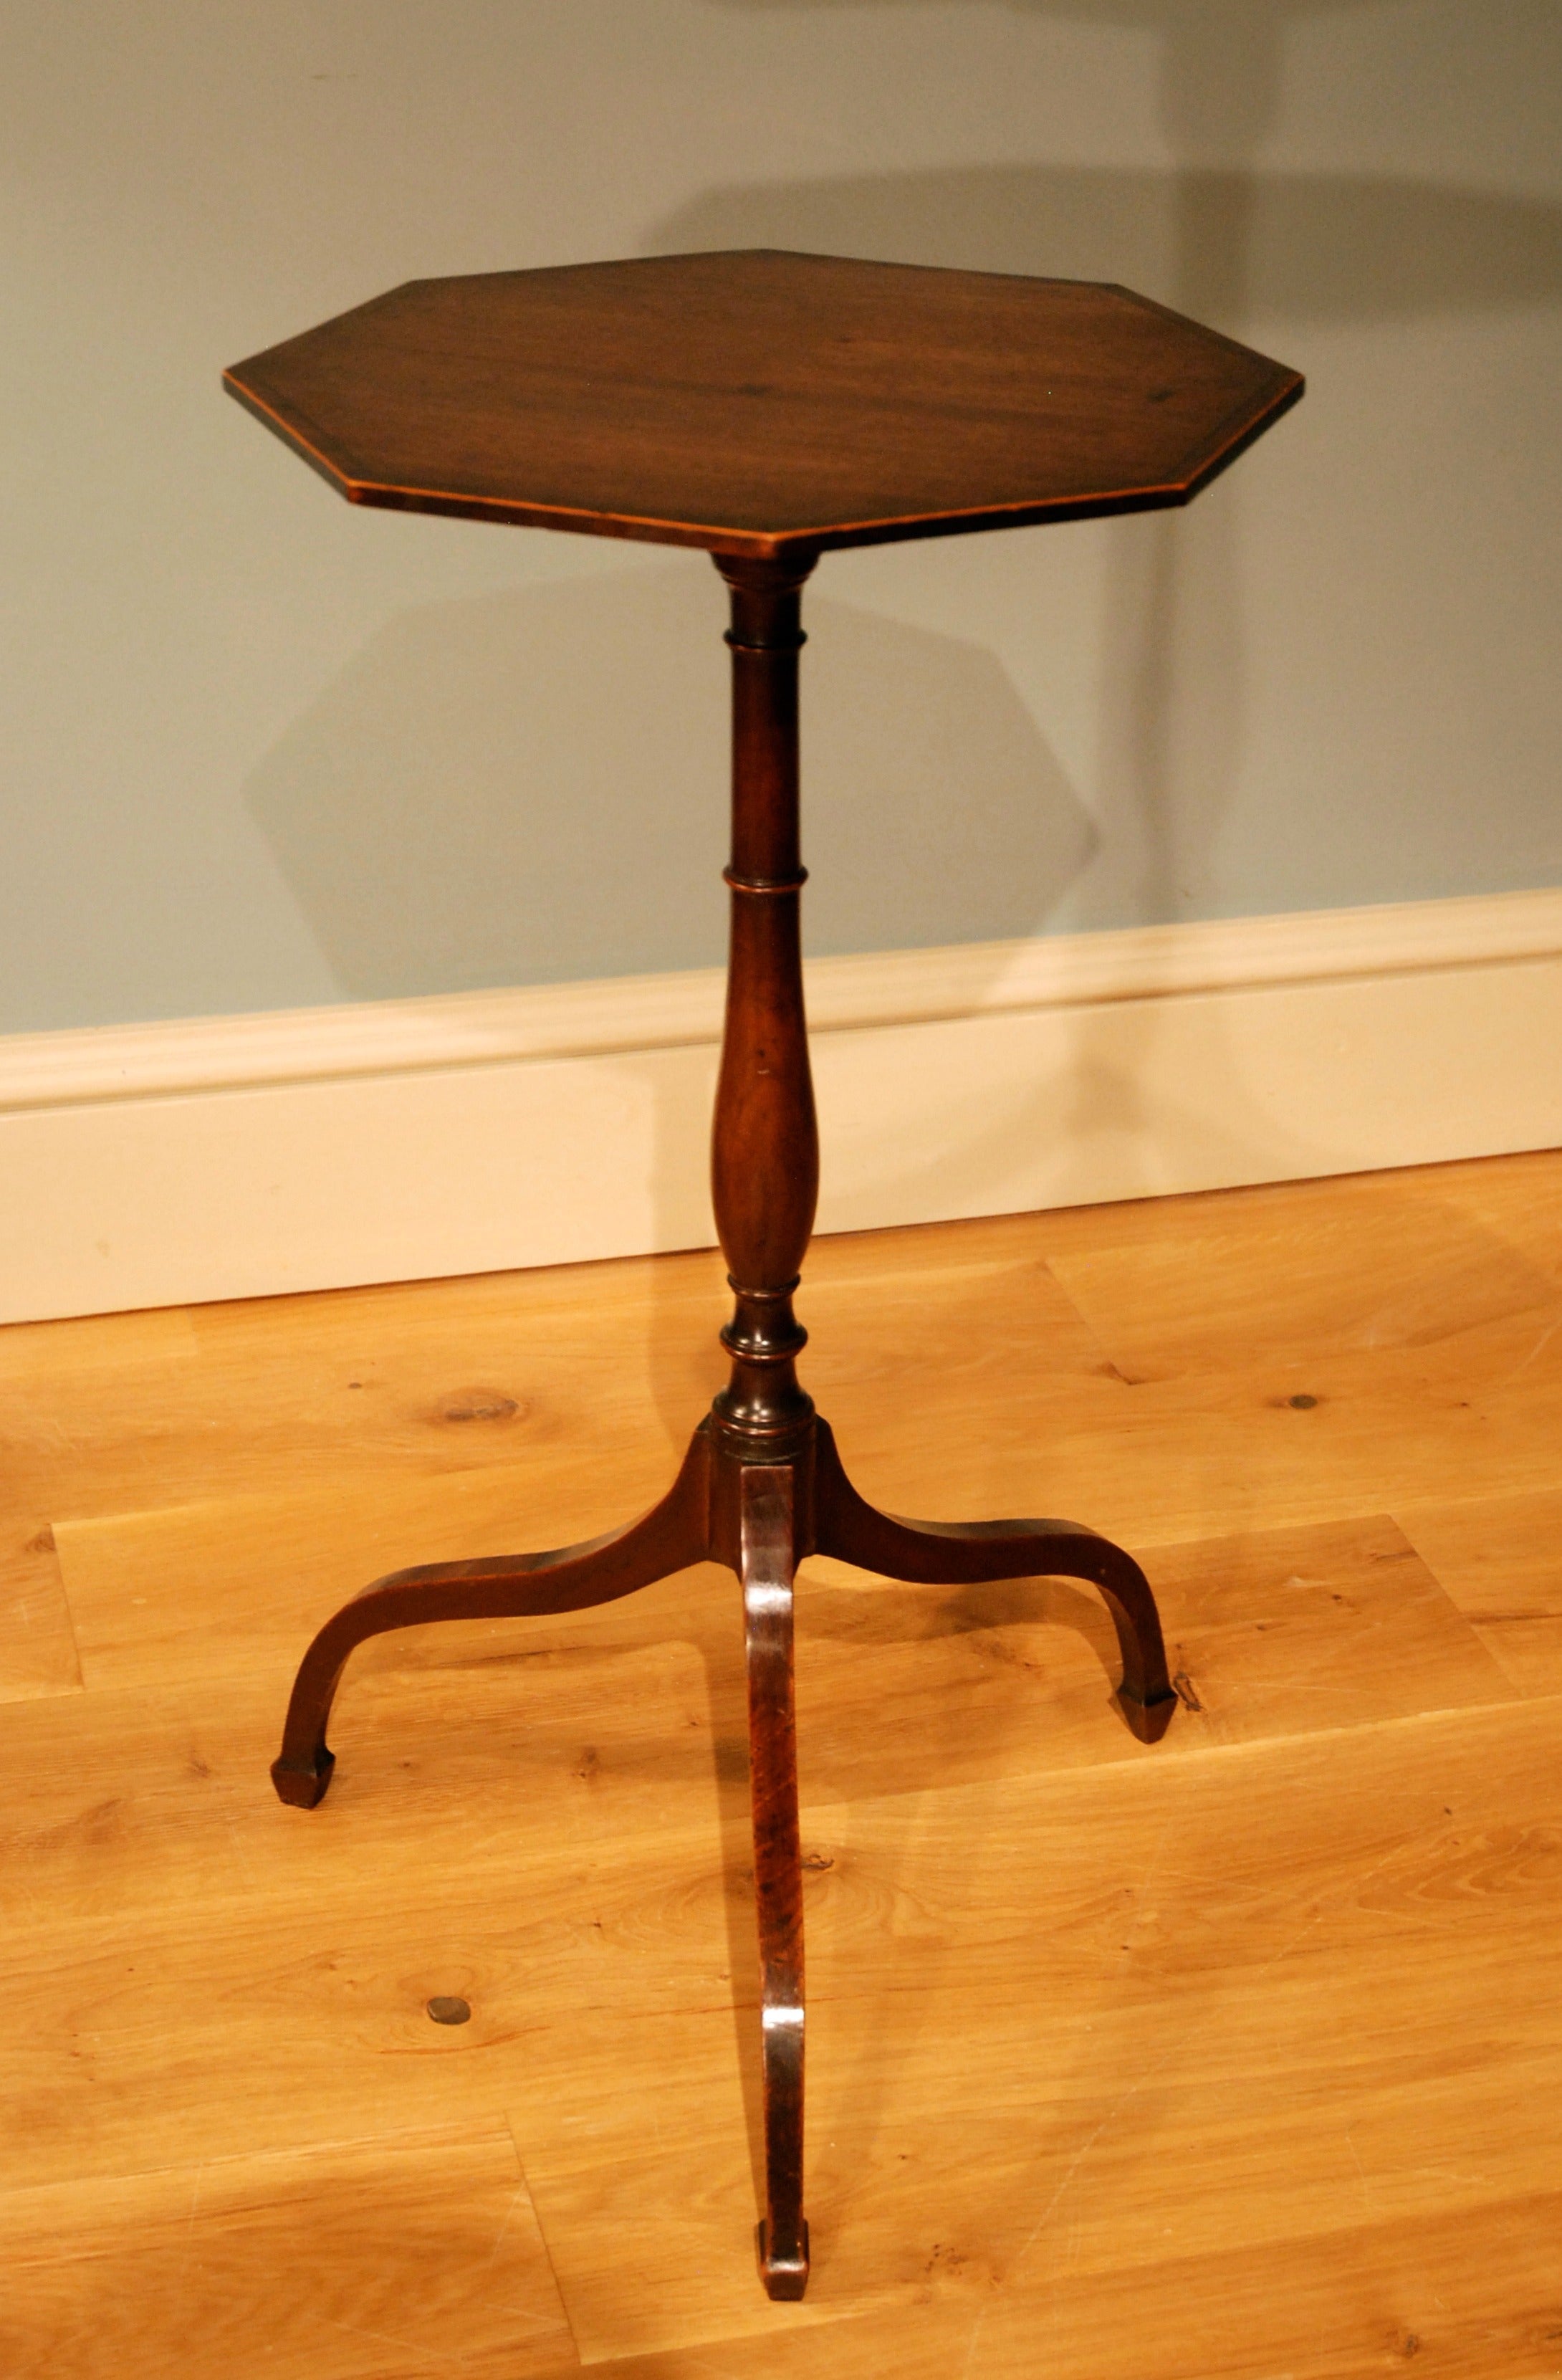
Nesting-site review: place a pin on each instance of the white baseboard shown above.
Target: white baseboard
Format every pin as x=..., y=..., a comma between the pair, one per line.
x=236, y=1156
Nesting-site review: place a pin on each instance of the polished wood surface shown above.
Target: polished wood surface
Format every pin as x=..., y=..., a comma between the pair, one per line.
x=1236, y=2056
x=764, y=1141
x=768, y=1567
x=758, y=402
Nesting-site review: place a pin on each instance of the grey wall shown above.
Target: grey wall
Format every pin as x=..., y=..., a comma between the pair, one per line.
x=260, y=750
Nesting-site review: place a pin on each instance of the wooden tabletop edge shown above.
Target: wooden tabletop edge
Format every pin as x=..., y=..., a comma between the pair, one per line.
x=285, y=431
x=1246, y=423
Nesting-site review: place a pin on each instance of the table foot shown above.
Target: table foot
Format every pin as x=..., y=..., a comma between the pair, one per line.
x=670, y=1537
x=1150, y=1720
x=785, y=2276
x=302, y=1788
x=959, y=1553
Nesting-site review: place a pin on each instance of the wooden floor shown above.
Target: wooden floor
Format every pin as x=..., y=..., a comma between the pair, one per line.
x=1235, y=2058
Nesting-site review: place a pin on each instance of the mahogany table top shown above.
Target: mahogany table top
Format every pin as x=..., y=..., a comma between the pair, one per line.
x=756, y=402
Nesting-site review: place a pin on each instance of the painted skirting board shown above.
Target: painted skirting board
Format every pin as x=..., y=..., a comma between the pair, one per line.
x=236, y=1156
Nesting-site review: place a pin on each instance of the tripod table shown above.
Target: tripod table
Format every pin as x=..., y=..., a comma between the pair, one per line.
x=764, y=407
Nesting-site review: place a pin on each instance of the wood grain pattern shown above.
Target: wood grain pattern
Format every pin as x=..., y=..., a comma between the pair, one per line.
x=38, y=1652
x=1236, y=2056
x=762, y=403
x=1349, y=2304
x=1255, y=2011
x=270, y=2265
x=1498, y=1559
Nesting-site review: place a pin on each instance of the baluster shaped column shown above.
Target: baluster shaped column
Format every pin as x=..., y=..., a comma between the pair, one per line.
x=765, y=1158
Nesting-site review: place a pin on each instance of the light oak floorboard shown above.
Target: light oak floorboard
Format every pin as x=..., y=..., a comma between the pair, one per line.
x=1079, y=2028
x=938, y=1665
x=1235, y=2056
x=1394, y=1266
x=276, y=2266
x=1501, y=1562
x=1459, y=2297
x=38, y=1652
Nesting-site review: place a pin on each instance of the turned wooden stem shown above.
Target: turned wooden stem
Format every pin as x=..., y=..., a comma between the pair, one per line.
x=765, y=1151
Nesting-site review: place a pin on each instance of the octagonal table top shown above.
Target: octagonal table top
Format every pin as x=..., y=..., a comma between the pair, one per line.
x=758, y=402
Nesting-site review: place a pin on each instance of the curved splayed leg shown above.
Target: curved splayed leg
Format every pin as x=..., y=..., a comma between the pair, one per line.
x=957, y=1553
x=768, y=1551
x=671, y=1535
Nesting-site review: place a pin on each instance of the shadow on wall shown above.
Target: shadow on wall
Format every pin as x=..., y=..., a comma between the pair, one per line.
x=531, y=787
x=1223, y=245
x=1215, y=234
x=452, y=814
x=1227, y=243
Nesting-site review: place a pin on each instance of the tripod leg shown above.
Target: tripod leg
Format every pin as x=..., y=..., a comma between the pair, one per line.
x=670, y=1537
x=954, y=1553
x=769, y=1558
